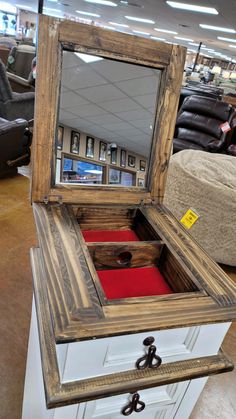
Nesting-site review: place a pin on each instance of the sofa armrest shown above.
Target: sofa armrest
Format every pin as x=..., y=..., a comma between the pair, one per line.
x=18, y=84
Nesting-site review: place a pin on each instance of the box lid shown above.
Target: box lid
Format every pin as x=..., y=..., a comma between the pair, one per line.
x=56, y=36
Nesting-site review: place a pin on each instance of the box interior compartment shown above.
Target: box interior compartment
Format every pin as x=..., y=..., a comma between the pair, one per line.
x=130, y=258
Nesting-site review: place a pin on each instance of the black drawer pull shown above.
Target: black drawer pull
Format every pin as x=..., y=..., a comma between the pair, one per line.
x=135, y=405
x=150, y=360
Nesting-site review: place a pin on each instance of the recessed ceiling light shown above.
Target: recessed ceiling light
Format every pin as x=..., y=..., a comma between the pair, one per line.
x=221, y=38
x=191, y=50
x=109, y=27
x=139, y=19
x=217, y=28
x=22, y=6
x=183, y=39
x=102, y=2
x=171, y=43
x=122, y=25
x=157, y=39
x=193, y=8
x=165, y=31
x=194, y=44
x=232, y=46
x=87, y=13
x=88, y=58
x=52, y=10
x=141, y=33
x=83, y=20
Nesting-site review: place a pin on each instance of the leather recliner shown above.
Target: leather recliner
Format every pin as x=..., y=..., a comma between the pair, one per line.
x=15, y=141
x=199, y=125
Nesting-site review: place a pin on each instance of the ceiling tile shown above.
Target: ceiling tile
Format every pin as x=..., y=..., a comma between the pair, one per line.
x=98, y=94
x=69, y=99
x=115, y=71
x=134, y=115
x=80, y=77
x=140, y=86
x=146, y=101
x=87, y=110
x=120, y=105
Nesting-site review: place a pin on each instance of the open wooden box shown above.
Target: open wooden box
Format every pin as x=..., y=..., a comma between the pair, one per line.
x=113, y=265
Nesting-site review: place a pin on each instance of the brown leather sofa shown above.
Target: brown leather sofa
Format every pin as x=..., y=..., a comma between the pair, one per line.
x=199, y=125
x=15, y=141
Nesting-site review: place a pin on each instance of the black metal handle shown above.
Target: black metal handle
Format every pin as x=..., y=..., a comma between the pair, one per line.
x=135, y=405
x=150, y=360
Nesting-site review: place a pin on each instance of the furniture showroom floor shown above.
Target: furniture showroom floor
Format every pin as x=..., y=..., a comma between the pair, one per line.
x=17, y=236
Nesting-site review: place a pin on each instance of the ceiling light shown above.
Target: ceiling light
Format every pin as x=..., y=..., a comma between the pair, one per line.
x=139, y=19
x=141, y=33
x=102, y=2
x=221, y=38
x=52, y=10
x=109, y=27
x=7, y=7
x=232, y=46
x=22, y=6
x=157, y=39
x=194, y=44
x=89, y=21
x=88, y=58
x=193, y=8
x=191, y=50
x=183, y=39
x=165, y=31
x=171, y=43
x=217, y=28
x=122, y=25
x=87, y=13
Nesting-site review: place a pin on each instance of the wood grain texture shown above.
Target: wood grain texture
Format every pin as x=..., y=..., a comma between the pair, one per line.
x=58, y=394
x=109, y=255
x=58, y=34
x=208, y=274
x=77, y=302
x=165, y=123
x=98, y=41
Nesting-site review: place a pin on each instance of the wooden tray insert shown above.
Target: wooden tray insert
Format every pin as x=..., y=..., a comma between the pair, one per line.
x=130, y=258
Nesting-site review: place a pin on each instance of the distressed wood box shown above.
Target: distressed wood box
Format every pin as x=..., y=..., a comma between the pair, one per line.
x=129, y=312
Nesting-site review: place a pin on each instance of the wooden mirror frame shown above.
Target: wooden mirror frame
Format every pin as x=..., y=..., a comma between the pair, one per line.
x=54, y=36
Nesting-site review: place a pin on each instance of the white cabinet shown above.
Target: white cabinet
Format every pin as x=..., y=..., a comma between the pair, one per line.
x=90, y=358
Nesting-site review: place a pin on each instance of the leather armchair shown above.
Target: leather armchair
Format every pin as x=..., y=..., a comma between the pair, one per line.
x=15, y=141
x=200, y=90
x=198, y=125
x=14, y=105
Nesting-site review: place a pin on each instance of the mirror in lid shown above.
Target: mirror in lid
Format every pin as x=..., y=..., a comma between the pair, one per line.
x=106, y=119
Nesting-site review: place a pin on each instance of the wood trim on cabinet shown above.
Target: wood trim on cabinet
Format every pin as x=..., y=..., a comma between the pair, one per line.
x=61, y=394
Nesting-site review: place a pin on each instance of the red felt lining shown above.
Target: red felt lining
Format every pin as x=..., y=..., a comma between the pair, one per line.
x=110, y=236
x=133, y=282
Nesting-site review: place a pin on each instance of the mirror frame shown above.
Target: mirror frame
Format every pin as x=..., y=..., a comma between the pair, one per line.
x=56, y=35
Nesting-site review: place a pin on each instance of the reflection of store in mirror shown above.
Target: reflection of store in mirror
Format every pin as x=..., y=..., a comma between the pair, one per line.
x=106, y=109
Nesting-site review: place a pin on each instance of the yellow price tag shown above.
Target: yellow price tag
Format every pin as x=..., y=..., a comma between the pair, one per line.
x=189, y=218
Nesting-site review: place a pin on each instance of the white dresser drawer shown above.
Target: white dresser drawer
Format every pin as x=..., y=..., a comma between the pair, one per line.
x=160, y=403
x=92, y=358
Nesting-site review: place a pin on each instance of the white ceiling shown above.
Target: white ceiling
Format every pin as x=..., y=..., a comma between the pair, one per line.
x=111, y=100
x=163, y=15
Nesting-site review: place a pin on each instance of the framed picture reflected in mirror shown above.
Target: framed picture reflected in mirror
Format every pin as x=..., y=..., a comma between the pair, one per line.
x=102, y=151
x=123, y=158
x=60, y=135
x=131, y=161
x=74, y=142
x=90, y=147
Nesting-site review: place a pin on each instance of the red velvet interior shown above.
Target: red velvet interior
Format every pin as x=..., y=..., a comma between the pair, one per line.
x=133, y=282
x=110, y=236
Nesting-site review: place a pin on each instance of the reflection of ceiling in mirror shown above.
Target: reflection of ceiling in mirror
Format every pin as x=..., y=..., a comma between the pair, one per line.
x=111, y=100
